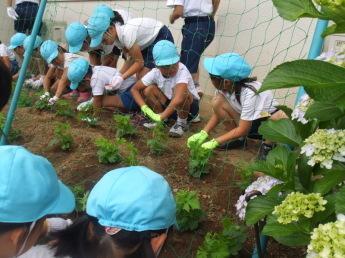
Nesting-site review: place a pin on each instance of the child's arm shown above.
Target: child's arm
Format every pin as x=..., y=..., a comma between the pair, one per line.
x=176, y=14
x=62, y=85
x=240, y=131
x=47, y=81
x=138, y=62
x=97, y=101
x=180, y=96
x=215, y=4
x=136, y=93
x=6, y=61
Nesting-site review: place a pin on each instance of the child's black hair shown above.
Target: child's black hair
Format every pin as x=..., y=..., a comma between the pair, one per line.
x=6, y=227
x=78, y=241
x=243, y=84
x=5, y=84
x=117, y=18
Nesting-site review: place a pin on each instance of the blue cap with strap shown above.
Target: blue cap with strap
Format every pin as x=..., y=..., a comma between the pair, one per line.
x=17, y=40
x=97, y=25
x=37, y=43
x=231, y=66
x=75, y=35
x=103, y=8
x=165, y=53
x=134, y=199
x=77, y=70
x=29, y=187
x=49, y=50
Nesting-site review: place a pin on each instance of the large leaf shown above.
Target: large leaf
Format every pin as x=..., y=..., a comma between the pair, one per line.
x=328, y=214
x=293, y=234
x=282, y=131
x=323, y=111
x=340, y=201
x=293, y=9
x=304, y=171
x=285, y=109
x=331, y=178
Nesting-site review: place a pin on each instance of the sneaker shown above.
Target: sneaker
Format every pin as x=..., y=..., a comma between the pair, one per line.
x=178, y=129
x=84, y=96
x=265, y=148
x=196, y=119
x=235, y=144
x=71, y=95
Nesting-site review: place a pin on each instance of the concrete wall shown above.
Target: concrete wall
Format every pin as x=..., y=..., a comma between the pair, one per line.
x=251, y=28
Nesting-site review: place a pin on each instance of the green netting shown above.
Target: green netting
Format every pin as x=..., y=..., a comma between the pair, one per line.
x=251, y=28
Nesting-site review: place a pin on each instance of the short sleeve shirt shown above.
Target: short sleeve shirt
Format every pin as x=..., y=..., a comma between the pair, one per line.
x=40, y=251
x=193, y=7
x=102, y=75
x=167, y=85
x=253, y=106
x=141, y=31
x=5, y=51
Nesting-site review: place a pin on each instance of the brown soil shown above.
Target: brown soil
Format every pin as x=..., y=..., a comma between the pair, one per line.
x=217, y=191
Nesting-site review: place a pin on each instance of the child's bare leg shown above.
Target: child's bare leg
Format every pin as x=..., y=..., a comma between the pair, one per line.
x=184, y=108
x=155, y=98
x=225, y=112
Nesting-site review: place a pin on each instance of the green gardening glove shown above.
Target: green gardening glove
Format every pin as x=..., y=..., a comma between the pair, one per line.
x=197, y=138
x=210, y=145
x=152, y=115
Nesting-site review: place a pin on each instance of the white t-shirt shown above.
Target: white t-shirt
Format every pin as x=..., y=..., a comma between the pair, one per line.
x=102, y=75
x=5, y=51
x=193, y=7
x=40, y=251
x=253, y=106
x=69, y=57
x=167, y=85
x=142, y=31
x=22, y=1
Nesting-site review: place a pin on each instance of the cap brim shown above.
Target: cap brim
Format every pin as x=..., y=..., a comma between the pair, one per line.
x=66, y=201
x=97, y=40
x=11, y=47
x=75, y=49
x=169, y=61
x=210, y=67
x=74, y=85
x=52, y=56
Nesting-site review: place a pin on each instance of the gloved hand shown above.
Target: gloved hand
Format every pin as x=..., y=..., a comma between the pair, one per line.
x=12, y=13
x=210, y=145
x=152, y=115
x=46, y=96
x=38, y=83
x=85, y=106
x=116, y=82
x=28, y=82
x=53, y=100
x=57, y=224
x=197, y=138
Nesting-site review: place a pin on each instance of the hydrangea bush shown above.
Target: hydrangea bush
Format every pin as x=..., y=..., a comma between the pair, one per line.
x=299, y=111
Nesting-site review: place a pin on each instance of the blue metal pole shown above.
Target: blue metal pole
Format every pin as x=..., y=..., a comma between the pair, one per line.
x=20, y=81
x=315, y=50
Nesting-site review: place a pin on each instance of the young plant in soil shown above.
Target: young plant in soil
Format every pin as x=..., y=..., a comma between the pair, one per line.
x=42, y=103
x=245, y=174
x=130, y=156
x=14, y=134
x=63, y=108
x=123, y=126
x=223, y=244
x=25, y=99
x=62, y=136
x=158, y=142
x=198, y=161
x=86, y=115
x=188, y=210
x=108, y=151
x=81, y=196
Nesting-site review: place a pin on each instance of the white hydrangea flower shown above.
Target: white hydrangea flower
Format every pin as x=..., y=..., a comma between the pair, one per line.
x=263, y=184
x=300, y=109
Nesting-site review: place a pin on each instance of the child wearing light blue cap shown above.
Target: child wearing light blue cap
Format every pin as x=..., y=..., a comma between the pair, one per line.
x=16, y=44
x=136, y=38
x=128, y=210
x=171, y=85
x=236, y=102
x=30, y=191
x=81, y=75
x=58, y=60
x=8, y=58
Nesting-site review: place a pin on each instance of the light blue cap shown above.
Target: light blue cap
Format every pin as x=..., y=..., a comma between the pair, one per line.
x=77, y=70
x=37, y=43
x=103, y=8
x=97, y=24
x=133, y=199
x=75, y=35
x=17, y=40
x=29, y=187
x=231, y=66
x=165, y=53
x=49, y=50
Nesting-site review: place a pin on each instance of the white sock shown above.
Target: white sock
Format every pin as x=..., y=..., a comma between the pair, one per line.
x=182, y=120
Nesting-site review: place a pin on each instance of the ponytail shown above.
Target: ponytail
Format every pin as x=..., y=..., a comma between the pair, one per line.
x=117, y=18
x=243, y=84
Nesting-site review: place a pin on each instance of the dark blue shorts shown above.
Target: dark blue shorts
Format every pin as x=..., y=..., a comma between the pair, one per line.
x=164, y=33
x=193, y=111
x=27, y=12
x=198, y=33
x=128, y=100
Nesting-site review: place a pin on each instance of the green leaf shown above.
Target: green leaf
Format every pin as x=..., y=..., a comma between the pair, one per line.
x=293, y=9
x=334, y=29
x=285, y=109
x=304, y=171
x=331, y=178
x=340, y=201
x=282, y=131
x=323, y=111
x=293, y=234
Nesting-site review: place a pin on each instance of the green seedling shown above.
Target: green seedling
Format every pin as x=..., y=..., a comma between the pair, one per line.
x=108, y=151
x=223, y=244
x=62, y=136
x=198, y=161
x=81, y=196
x=124, y=126
x=188, y=210
x=89, y=119
x=63, y=108
x=25, y=99
x=158, y=142
x=131, y=157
